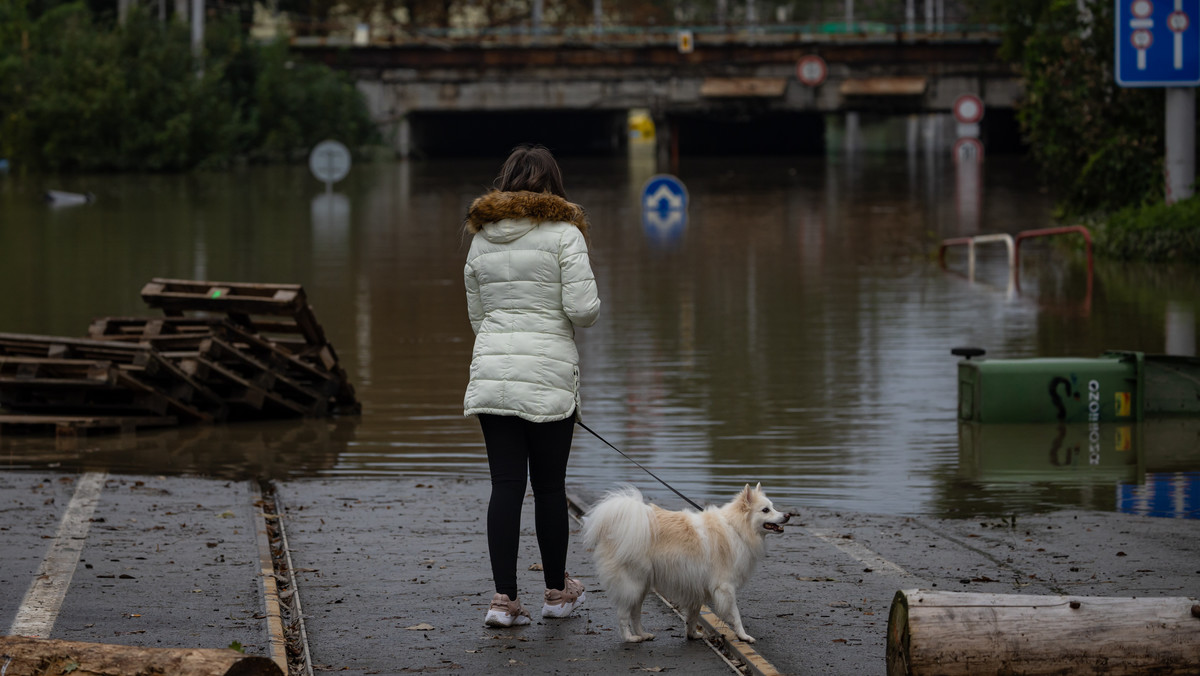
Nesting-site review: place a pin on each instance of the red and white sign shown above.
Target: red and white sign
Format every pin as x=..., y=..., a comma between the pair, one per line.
x=811, y=70
x=1141, y=39
x=1178, y=21
x=967, y=150
x=968, y=109
x=1142, y=8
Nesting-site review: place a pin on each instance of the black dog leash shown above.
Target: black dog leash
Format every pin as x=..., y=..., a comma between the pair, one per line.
x=686, y=498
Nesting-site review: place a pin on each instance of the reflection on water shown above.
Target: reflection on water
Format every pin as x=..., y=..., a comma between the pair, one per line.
x=1143, y=468
x=796, y=331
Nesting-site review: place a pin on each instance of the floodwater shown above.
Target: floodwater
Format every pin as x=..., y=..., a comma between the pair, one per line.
x=796, y=331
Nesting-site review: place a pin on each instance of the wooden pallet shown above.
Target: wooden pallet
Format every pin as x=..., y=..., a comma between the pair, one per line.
x=240, y=302
x=38, y=372
x=298, y=396
x=147, y=329
x=72, y=426
x=264, y=356
x=113, y=365
x=58, y=347
x=103, y=388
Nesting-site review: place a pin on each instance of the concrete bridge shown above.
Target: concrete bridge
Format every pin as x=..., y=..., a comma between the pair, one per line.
x=732, y=92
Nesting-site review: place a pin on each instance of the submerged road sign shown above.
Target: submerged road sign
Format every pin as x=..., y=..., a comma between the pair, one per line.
x=329, y=161
x=664, y=207
x=1158, y=43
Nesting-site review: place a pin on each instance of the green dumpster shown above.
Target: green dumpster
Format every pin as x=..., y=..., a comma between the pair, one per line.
x=1115, y=387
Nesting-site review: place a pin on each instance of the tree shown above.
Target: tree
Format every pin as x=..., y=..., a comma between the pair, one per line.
x=1098, y=145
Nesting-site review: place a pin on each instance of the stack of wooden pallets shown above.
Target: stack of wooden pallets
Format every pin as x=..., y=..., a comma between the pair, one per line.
x=221, y=351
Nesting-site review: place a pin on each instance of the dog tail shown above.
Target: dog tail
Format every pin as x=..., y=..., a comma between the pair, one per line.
x=618, y=527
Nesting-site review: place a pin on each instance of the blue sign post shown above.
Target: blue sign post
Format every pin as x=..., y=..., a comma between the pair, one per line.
x=664, y=208
x=1158, y=43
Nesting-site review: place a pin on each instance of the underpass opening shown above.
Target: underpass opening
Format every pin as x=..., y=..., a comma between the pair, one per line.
x=762, y=133
x=495, y=133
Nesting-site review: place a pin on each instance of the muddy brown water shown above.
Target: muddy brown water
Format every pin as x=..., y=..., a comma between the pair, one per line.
x=797, y=330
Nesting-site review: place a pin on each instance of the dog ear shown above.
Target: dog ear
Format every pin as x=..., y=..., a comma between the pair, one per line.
x=745, y=496
x=758, y=487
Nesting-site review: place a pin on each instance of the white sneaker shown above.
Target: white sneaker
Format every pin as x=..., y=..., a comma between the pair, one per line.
x=560, y=602
x=505, y=612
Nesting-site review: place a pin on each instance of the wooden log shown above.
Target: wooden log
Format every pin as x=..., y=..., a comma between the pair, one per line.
x=950, y=633
x=41, y=657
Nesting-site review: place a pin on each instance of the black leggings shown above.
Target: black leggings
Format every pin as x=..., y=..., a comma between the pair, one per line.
x=518, y=449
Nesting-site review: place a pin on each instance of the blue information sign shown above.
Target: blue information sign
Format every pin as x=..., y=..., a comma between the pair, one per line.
x=664, y=208
x=1158, y=43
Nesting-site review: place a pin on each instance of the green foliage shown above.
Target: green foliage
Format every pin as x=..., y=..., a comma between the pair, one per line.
x=1099, y=145
x=83, y=97
x=237, y=645
x=1155, y=233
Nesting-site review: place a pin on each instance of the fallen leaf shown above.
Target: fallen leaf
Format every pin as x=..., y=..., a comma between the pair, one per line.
x=536, y=566
x=424, y=626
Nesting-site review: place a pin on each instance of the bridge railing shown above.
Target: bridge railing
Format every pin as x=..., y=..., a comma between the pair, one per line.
x=349, y=32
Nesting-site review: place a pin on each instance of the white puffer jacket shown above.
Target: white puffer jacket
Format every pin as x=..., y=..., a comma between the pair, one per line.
x=529, y=284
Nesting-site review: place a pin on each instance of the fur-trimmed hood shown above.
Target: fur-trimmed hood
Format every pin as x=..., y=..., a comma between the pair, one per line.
x=538, y=207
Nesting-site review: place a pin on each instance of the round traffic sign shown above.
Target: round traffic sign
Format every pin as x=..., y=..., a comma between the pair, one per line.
x=968, y=150
x=1142, y=9
x=329, y=161
x=968, y=109
x=1141, y=39
x=1178, y=21
x=811, y=70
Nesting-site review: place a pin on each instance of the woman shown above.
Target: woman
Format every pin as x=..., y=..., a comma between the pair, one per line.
x=529, y=284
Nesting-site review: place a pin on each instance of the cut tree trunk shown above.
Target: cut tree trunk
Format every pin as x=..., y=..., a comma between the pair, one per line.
x=22, y=656
x=948, y=633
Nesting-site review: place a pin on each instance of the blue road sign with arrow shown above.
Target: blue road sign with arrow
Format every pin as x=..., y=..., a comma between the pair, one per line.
x=664, y=207
x=1158, y=43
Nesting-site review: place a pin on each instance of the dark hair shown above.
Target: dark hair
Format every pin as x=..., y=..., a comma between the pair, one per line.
x=530, y=167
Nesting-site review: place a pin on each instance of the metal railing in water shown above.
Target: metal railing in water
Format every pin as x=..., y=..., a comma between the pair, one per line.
x=970, y=243
x=1013, y=244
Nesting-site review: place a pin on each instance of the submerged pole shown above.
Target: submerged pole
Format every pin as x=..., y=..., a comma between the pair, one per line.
x=1181, y=143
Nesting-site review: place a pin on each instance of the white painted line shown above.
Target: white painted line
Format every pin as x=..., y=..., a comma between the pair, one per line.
x=865, y=556
x=39, y=609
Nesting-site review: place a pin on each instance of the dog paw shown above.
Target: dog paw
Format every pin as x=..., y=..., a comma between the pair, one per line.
x=695, y=634
x=647, y=636
x=635, y=638
x=746, y=637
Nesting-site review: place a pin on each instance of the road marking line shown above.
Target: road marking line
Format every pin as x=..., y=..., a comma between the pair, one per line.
x=865, y=556
x=39, y=609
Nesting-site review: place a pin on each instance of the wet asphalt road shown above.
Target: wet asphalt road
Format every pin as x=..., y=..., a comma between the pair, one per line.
x=394, y=576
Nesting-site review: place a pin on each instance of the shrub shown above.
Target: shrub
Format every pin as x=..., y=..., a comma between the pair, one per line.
x=1155, y=233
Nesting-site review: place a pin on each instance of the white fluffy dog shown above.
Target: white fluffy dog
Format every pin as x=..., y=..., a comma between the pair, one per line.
x=692, y=558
